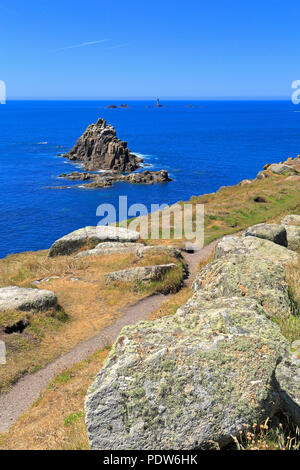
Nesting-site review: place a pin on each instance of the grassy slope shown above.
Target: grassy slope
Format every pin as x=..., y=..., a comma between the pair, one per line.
x=56, y=421
x=233, y=208
x=87, y=304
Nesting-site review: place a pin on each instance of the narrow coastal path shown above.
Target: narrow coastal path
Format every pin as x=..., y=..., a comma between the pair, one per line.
x=28, y=389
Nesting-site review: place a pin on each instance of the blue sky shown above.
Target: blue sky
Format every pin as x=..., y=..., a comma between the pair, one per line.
x=138, y=48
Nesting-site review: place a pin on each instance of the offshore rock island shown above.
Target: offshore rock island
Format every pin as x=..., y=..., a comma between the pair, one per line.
x=100, y=149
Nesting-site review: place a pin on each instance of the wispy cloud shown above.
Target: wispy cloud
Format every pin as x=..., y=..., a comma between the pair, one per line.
x=83, y=44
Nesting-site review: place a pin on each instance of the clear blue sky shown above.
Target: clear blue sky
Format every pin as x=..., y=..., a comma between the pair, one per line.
x=139, y=48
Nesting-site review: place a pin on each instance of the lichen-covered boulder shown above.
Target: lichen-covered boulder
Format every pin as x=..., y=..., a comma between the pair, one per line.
x=143, y=274
x=107, y=248
x=282, y=169
x=293, y=237
x=273, y=232
x=292, y=219
x=256, y=247
x=244, y=276
x=158, y=250
x=20, y=298
x=288, y=378
x=91, y=235
x=187, y=379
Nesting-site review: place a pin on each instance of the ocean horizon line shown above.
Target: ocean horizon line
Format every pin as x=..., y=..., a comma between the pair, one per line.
x=162, y=98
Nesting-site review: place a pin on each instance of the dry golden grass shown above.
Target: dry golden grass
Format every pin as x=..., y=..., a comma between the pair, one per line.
x=88, y=305
x=266, y=437
x=56, y=420
x=170, y=306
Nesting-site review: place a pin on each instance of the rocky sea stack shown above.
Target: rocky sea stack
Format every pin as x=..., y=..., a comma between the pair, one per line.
x=100, y=149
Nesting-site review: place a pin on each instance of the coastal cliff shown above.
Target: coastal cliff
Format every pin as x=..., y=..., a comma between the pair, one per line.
x=100, y=149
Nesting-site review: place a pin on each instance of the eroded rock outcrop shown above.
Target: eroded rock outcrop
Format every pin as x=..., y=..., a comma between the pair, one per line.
x=288, y=377
x=20, y=298
x=92, y=236
x=145, y=177
x=143, y=274
x=197, y=376
x=273, y=232
x=99, y=148
x=107, y=248
x=256, y=247
x=186, y=380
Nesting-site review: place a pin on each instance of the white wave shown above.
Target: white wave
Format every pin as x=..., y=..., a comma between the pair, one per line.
x=42, y=143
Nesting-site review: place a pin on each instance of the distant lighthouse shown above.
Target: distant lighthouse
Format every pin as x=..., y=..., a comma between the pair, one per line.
x=158, y=105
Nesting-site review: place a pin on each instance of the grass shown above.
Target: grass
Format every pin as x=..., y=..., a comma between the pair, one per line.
x=268, y=437
x=290, y=326
x=56, y=420
x=87, y=305
x=233, y=208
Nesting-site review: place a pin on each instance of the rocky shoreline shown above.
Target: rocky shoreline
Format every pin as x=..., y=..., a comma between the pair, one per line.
x=100, y=149
x=107, y=179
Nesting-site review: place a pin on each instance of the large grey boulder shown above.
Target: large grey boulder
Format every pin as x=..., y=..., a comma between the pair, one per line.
x=292, y=219
x=282, y=169
x=293, y=237
x=288, y=377
x=245, y=276
x=143, y=274
x=91, y=235
x=158, y=250
x=256, y=247
x=273, y=232
x=185, y=380
x=108, y=248
x=20, y=298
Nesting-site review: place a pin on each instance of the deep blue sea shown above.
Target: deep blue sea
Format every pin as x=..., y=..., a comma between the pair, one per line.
x=203, y=147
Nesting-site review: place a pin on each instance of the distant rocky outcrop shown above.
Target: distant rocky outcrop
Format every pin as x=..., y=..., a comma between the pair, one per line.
x=108, y=178
x=289, y=168
x=100, y=149
x=193, y=379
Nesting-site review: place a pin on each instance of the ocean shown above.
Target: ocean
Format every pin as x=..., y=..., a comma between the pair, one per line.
x=212, y=144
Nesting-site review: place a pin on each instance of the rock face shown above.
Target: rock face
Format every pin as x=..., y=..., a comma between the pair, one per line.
x=273, y=232
x=188, y=379
x=290, y=169
x=288, y=377
x=256, y=247
x=292, y=219
x=19, y=298
x=293, y=237
x=245, y=276
x=99, y=148
x=282, y=169
x=92, y=235
x=107, y=248
x=143, y=274
x=146, y=177
x=77, y=175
